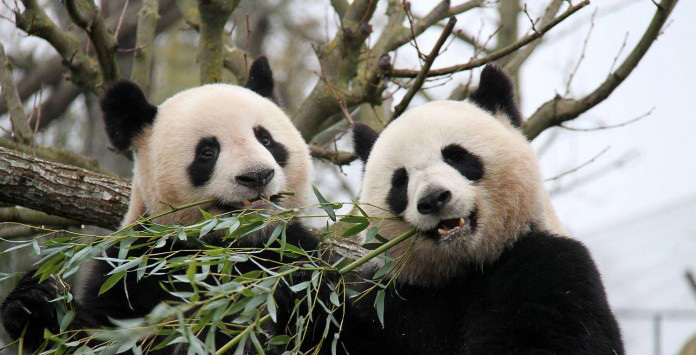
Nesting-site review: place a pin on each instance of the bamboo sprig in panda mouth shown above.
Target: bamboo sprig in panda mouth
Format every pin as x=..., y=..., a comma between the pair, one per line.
x=449, y=228
x=259, y=202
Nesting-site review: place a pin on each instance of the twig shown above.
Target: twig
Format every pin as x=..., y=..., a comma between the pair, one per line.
x=582, y=53
x=407, y=9
x=519, y=57
x=598, y=128
x=38, y=122
x=120, y=19
x=474, y=63
x=559, y=110
x=578, y=167
x=334, y=156
x=420, y=79
x=533, y=22
x=616, y=58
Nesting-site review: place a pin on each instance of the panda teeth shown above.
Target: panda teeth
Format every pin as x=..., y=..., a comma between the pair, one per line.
x=442, y=232
x=463, y=222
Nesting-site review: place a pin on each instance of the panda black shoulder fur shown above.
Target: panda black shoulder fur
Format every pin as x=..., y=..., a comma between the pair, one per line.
x=216, y=141
x=483, y=275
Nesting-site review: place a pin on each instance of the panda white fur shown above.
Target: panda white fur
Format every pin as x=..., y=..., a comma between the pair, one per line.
x=217, y=141
x=484, y=274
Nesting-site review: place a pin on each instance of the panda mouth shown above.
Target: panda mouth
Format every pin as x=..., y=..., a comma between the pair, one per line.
x=450, y=228
x=259, y=202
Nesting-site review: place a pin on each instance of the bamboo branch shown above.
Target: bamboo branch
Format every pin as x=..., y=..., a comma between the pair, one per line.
x=214, y=15
x=20, y=125
x=474, y=63
x=142, y=59
x=420, y=79
x=62, y=190
x=37, y=218
x=87, y=15
x=559, y=109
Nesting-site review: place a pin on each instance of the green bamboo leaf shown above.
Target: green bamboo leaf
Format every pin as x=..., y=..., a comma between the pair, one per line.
x=257, y=344
x=271, y=306
x=191, y=271
x=355, y=229
x=371, y=233
x=111, y=281
x=279, y=340
x=379, y=306
x=67, y=319
x=328, y=207
x=355, y=219
x=334, y=299
x=276, y=232
x=208, y=227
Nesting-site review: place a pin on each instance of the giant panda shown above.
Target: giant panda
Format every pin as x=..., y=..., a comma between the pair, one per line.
x=218, y=141
x=484, y=273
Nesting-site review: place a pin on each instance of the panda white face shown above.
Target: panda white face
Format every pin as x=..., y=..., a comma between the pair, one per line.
x=222, y=142
x=463, y=177
x=228, y=143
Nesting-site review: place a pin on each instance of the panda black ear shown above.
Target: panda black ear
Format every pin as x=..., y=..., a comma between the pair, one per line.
x=126, y=113
x=496, y=94
x=364, y=138
x=260, y=79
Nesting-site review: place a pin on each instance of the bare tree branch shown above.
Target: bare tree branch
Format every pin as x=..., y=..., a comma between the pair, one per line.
x=420, y=79
x=402, y=35
x=20, y=125
x=560, y=109
x=62, y=190
x=333, y=156
x=408, y=73
x=142, y=59
x=87, y=15
x=516, y=60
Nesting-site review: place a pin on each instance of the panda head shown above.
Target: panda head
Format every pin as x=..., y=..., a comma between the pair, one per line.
x=217, y=141
x=461, y=173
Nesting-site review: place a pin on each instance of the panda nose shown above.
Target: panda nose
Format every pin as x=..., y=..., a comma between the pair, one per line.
x=256, y=179
x=433, y=202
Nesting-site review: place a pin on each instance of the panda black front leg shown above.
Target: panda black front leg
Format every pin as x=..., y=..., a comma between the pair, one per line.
x=28, y=307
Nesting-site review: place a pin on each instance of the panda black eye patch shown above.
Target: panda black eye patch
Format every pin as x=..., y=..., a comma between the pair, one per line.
x=397, y=199
x=466, y=163
x=280, y=154
x=201, y=168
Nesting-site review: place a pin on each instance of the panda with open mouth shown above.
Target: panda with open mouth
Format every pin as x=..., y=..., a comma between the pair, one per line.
x=485, y=273
x=218, y=142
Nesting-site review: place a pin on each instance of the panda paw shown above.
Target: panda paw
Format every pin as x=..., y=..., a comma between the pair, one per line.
x=28, y=305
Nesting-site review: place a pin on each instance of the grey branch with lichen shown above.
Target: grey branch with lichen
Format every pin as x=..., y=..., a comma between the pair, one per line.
x=20, y=125
x=145, y=38
x=34, y=21
x=213, y=14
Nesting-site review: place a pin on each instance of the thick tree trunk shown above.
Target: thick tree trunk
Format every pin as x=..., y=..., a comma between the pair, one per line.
x=62, y=190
